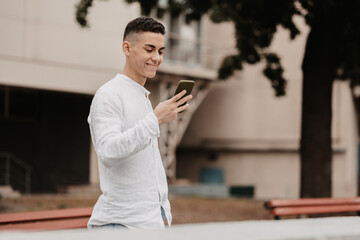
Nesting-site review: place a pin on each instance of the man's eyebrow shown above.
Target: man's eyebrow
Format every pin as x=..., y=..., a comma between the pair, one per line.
x=152, y=46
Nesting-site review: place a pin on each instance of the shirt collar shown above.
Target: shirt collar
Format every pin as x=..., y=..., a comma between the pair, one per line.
x=128, y=80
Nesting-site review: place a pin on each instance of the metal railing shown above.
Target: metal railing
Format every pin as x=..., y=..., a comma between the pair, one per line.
x=15, y=172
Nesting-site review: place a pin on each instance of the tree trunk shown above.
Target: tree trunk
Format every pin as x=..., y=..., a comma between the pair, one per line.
x=315, y=146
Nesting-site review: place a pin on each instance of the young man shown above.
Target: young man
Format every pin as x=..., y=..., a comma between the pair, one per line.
x=124, y=130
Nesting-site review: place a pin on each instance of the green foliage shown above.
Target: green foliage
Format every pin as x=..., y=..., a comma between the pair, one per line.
x=229, y=64
x=255, y=24
x=82, y=12
x=146, y=5
x=274, y=71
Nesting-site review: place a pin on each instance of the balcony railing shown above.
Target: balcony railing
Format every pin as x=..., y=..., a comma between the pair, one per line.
x=15, y=172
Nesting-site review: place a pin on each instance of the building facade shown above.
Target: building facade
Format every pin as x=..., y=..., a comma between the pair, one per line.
x=50, y=68
x=252, y=137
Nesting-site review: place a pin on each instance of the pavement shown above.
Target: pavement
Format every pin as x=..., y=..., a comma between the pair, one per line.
x=330, y=228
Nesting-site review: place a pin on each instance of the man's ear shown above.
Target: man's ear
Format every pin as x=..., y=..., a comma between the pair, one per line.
x=126, y=47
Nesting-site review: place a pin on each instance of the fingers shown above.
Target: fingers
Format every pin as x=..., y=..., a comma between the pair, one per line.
x=183, y=100
x=182, y=108
x=178, y=96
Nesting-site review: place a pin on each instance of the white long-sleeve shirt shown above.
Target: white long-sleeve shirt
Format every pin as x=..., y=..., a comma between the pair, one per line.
x=124, y=131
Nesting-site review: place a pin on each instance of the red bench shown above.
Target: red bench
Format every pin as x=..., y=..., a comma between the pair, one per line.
x=46, y=220
x=311, y=206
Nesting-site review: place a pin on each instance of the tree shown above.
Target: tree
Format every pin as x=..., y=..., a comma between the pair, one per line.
x=332, y=52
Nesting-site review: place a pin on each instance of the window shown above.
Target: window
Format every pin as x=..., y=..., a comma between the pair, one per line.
x=182, y=38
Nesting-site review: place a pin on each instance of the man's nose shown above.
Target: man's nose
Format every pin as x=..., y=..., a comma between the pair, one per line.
x=156, y=57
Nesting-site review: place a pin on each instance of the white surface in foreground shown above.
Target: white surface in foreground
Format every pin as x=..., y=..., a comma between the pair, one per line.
x=317, y=228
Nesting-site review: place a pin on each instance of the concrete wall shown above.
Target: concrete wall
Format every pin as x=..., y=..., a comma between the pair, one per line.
x=345, y=138
x=256, y=135
x=246, y=107
x=43, y=47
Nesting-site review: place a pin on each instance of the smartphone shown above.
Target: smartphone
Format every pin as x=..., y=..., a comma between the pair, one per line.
x=184, y=85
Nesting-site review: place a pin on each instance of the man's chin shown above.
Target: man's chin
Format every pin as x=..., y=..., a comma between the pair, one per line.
x=151, y=75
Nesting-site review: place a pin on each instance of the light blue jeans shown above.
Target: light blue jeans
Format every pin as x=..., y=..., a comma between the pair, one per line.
x=120, y=226
x=163, y=214
x=108, y=226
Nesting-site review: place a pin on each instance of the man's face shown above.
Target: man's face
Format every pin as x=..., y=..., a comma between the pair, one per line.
x=146, y=53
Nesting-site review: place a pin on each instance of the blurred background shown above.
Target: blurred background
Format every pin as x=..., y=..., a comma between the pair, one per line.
x=237, y=145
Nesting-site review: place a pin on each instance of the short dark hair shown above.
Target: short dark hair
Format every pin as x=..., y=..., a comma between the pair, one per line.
x=143, y=24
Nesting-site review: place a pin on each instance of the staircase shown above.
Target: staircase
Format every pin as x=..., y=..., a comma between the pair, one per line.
x=14, y=172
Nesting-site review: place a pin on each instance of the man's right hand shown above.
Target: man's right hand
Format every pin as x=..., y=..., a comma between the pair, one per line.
x=168, y=110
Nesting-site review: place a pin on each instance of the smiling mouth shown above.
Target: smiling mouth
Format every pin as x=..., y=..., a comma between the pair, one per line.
x=151, y=65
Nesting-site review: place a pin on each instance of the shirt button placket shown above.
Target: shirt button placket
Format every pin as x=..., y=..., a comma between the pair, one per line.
x=154, y=151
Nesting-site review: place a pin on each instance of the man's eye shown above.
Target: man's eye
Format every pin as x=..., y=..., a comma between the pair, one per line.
x=149, y=50
x=160, y=53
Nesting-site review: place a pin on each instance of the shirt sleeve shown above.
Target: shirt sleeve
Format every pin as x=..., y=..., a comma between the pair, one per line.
x=110, y=139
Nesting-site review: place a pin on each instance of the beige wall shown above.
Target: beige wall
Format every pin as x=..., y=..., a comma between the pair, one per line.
x=345, y=138
x=273, y=166
x=256, y=134
x=43, y=47
x=245, y=105
x=218, y=41
x=265, y=171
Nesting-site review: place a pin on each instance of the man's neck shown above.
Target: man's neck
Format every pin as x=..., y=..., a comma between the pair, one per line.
x=134, y=76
